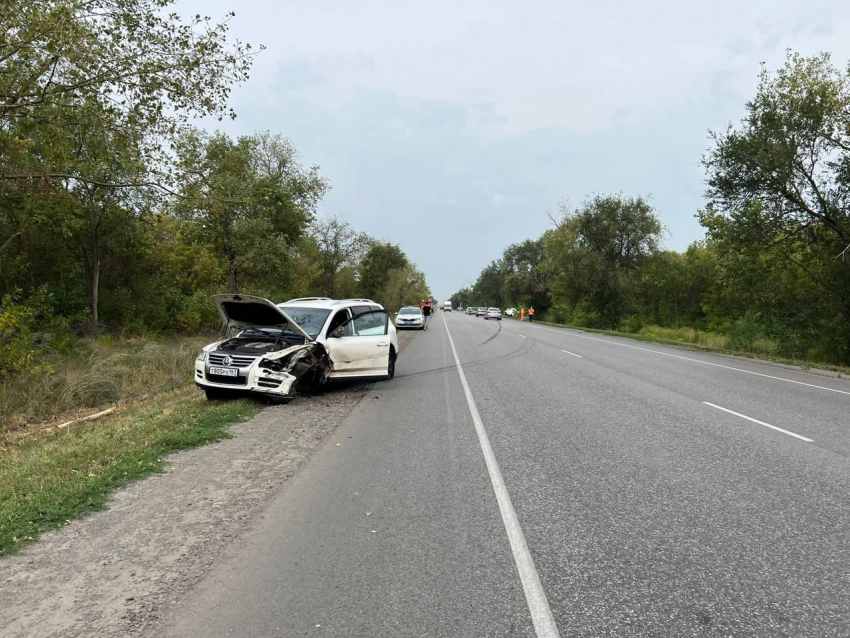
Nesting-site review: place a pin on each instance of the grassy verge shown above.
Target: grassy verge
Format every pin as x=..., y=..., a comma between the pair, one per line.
x=78, y=376
x=48, y=480
x=705, y=342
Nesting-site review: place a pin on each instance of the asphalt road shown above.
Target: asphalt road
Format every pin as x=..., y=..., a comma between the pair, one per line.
x=551, y=482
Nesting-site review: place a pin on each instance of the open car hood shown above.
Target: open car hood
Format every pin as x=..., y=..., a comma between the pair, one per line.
x=247, y=311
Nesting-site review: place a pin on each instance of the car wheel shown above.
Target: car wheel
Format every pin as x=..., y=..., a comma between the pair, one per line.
x=391, y=365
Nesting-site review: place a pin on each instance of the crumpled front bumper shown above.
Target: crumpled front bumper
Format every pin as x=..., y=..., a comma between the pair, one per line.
x=250, y=379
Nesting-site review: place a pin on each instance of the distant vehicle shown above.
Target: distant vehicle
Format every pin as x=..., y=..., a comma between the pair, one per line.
x=447, y=306
x=493, y=313
x=410, y=317
x=510, y=312
x=471, y=310
x=481, y=312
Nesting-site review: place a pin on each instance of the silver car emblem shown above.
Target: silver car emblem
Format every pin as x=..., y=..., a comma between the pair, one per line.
x=227, y=361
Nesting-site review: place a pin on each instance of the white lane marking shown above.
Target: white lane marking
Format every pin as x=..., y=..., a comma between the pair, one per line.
x=708, y=363
x=523, y=336
x=538, y=605
x=767, y=425
x=573, y=353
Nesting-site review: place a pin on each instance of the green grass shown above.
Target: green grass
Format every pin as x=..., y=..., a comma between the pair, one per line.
x=48, y=480
x=708, y=342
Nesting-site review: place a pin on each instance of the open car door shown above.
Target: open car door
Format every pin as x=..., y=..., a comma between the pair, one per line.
x=361, y=346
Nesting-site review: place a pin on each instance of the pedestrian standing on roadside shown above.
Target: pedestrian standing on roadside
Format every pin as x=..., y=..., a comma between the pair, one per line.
x=522, y=314
x=531, y=313
x=426, y=311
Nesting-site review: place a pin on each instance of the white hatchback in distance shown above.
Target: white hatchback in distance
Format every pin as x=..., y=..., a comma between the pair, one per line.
x=410, y=317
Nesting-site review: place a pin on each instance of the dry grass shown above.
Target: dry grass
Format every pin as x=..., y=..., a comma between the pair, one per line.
x=96, y=373
x=689, y=335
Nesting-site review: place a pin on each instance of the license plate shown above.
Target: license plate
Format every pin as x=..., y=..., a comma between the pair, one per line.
x=225, y=372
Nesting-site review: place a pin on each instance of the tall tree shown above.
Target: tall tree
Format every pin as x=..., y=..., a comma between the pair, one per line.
x=380, y=258
x=786, y=169
x=339, y=246
x=594, y=251
x=249, y=198
x=65, y=62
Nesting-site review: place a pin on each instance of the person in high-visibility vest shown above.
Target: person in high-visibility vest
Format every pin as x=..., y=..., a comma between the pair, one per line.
x=531, y=313
x=522, y=314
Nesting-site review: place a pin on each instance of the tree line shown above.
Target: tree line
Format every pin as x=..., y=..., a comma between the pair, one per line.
x=773, y=271
x=116, y=213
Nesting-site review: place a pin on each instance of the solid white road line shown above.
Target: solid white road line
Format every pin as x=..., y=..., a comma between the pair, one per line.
x=708, y=363
x=573, y=353
x=523, y=336
x=767, y=425
x=538, y=605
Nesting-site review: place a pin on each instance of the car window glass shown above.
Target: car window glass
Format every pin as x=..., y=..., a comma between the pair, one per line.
x=311, y=320
x=371, y=324
x=340, y=318
x=359, y=310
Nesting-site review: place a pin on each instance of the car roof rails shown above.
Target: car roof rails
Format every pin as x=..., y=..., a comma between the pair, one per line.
x=309, y=299
x=363, y=300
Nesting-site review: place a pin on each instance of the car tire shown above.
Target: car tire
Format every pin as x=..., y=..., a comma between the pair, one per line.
x=391, y=365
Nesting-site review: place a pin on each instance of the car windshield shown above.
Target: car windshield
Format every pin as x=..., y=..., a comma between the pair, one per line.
x=311, y=320
x=410, y=311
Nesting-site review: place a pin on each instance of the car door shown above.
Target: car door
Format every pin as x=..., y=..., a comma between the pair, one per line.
x=361, y=346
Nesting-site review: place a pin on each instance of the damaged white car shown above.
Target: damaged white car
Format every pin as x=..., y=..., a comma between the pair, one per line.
x=278, y=350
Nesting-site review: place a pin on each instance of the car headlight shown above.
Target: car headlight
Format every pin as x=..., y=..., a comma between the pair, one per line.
x=202, y=356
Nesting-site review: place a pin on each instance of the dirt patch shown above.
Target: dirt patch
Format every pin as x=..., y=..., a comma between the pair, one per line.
x=115, y=573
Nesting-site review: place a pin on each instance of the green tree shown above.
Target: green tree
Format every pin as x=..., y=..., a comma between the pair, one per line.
x=65, y=63
x=380, y=258
x=787, y=167
x=595, y=251
x=249, y=199
x=339, y=246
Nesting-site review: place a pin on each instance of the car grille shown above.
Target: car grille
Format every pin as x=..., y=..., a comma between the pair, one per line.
x=238, y=360
x=219, y=378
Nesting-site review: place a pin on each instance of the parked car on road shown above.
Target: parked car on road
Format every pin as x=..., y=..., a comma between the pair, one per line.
x=481, y=312
x=299, y=345
x=410, y=317
x=493, y=313
x=471, y=310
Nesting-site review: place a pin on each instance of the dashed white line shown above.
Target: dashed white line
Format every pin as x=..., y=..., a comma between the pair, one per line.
x=708, y=363
x=523, y=336
x=767, y=425
x=538, y=605
x=573, y=353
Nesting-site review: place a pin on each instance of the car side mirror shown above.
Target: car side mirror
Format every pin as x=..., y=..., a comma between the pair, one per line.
x=338, y=333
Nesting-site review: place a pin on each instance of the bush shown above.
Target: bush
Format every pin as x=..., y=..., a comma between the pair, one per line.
x=746, y=331
x=633, y=323
x=559, y=313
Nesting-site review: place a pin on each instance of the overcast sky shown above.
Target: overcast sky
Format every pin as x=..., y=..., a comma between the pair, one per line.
x=452, y=128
